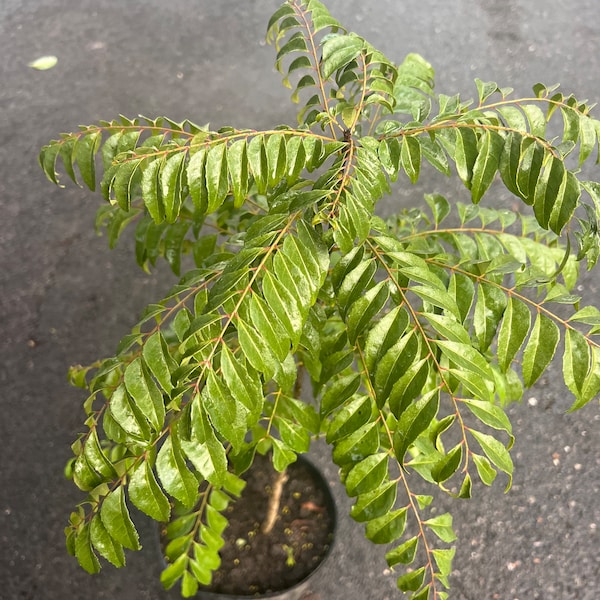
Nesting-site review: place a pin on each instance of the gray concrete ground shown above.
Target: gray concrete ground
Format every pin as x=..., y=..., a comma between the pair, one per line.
x=64, y=298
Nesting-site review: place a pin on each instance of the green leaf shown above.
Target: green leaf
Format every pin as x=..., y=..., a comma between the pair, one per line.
x=410, y=157
x=490, y=414
x=353, y=414
x=587, y=138
x=414, y=421
x=394, y=364
x=387, y=528
x=237, y=165
x=465, y=488
x=282, y=455
x=465, y=155
x=448, y=465
x=489, y=308
x=83, y=550
x=196, y=178
x=227, y=414
x=285, y=306
x=357, y=446
x=47, y=160
x=256, y=350
x=116, y=519
x=106, y=546
x=513, y=331
x=205, y=451
x=257, y=158
x=556, y=195
x=43, y=63
x=276, y=158
x=243, y=383
x=408, y=387
x=293, y=435
x=461, y=287
x=540, y=348
x=367, y=475
x=146, y=494
x=295, y=152
x=271, y=329
x=95, y=456
x=173, y=473
x=338, y=392
x=437, y=297
x=152, y=190
x=496, y=452
x=591, y=385
x=217, y=182
x=411, y=581
x=441, y=526
x=466, y=357
x=443, y=560
x=355, y=283
x=403, y=554
x=440, y=207
x=189, y=585
x=486, y=472
x=384, y=334
x=576, y=360
x=338, y=51
x=173, y=572
x=158, y=359
x=84, y=153
x=145, y=393
x=530, y=165
x=375, y=503
x=486, y=164
x=485, y=89
x=127, y=177
x=127, y=415
x=172, y=184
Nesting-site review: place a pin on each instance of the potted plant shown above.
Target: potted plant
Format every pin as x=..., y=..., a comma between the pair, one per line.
x=414, y=332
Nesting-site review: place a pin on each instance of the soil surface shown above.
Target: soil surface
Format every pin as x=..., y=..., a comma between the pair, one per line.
x=255, y=563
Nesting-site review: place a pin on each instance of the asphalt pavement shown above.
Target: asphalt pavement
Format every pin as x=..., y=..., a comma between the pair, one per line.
x=65, y=298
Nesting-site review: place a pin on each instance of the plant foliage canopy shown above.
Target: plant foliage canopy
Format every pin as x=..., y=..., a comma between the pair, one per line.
x=416, y=331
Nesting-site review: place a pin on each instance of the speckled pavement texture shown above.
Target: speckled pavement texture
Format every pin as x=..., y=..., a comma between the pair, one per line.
x=65, y=298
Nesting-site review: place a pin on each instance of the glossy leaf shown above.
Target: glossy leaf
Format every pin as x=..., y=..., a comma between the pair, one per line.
x=83, y=550
x=338, y=51
x=387, y=528
x=145, y=393
x=107, y=546
x=576, y=360
x=414, y=421
x=441, y=526
x=513, y=331
x=486, y=472
x=116, y=520
x=540, y=348
x=410, y=157
x=367, y=475
x=146, y=494
x=174, y=474
x=375, y=503
x=353, y=414
x=448, y=465
x=205, y=451
x=496, y=452
x=403, y=554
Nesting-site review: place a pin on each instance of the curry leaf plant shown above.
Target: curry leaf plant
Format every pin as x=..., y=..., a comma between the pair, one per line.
x=415, y=331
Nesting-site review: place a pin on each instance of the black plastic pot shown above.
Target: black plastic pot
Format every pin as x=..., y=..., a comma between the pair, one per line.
x=298, y=590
